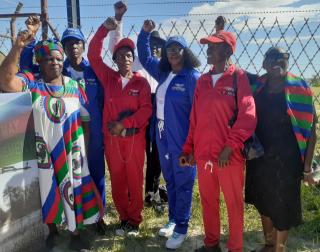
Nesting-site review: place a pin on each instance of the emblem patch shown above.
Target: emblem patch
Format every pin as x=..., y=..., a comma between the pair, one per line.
x=43, y=156
x=55, y=109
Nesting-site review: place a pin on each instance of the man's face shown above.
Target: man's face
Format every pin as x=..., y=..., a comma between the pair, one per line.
x=156, y=47
x=218, y=53
x=74, y=49
x=124, y=59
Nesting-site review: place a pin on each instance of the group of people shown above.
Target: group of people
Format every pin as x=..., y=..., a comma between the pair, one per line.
x=86, y=112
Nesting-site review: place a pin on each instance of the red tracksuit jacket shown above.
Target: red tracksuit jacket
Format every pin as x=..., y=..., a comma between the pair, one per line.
x=136, y=96
x=212, y=109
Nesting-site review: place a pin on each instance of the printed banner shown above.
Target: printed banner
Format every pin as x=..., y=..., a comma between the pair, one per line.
x=20, y=206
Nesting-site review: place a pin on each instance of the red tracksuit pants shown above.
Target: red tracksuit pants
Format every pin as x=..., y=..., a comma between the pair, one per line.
x=125, y=159
x=231, y=181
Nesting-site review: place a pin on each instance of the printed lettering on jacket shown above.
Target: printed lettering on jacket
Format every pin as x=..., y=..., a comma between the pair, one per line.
x=134, y=92
x=229, y=91
x=178, y=87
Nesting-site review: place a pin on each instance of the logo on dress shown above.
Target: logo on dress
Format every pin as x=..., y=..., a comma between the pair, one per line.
x=68, y=194
x=178, y=87
x=43, y=156
x=55, y=109
x=77, y=161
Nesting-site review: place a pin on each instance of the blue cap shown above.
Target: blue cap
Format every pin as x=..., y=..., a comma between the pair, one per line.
x=176, y=39
x=72, y=33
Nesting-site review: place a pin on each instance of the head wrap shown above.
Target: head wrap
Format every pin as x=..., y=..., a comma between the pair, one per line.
x=44, y=48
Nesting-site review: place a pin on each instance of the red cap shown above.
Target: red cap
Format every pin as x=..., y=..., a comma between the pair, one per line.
x=125, y=42
x=221, y=36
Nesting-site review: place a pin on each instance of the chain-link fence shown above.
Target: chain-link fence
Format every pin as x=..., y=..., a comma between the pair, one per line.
x=297, y=35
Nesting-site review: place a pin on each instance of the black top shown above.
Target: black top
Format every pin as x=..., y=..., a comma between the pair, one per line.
x=273, y=181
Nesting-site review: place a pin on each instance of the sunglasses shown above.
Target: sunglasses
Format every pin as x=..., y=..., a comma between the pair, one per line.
x=173, y=50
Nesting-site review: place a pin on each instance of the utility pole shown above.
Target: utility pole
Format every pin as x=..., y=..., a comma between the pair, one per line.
x=13, y=23
x=44, y=18
x=73, y=13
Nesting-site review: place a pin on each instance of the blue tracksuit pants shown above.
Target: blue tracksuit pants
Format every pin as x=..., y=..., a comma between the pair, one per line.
x=179, y=182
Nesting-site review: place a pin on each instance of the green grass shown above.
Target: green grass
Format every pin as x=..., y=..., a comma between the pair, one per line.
x=304, y=238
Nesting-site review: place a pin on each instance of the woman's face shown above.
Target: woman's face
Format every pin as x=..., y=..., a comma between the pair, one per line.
x=124, y=59
x=74, y=49
x=276, y=64
x=175, y=54
x=51, y=65
x=217, y=53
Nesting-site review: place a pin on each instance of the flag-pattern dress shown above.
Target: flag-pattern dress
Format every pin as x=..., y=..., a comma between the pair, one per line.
x=66, y=188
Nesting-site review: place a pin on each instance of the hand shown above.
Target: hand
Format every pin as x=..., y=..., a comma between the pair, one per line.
x=115, y=128
x=224, y=157
x=148, y=25
x=186, y=159
x=24, y=38
x=120, y=8
x=110, y=24
x=33, y=24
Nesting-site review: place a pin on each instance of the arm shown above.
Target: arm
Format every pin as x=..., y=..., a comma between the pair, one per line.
x=9, y=82
x=192, y=85
x=189, y=144
x=150, y=63
x=120, y=8
x=140, y=118
x=311, y=143
x=115, y=36
x=246, y=121
x=94, y=52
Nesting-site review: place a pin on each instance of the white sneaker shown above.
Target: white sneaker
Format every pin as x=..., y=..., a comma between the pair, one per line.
x=175, y=240
x=120, y=232
x=167, y=229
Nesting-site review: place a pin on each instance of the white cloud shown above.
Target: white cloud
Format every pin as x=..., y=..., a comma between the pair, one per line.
x=253, y=12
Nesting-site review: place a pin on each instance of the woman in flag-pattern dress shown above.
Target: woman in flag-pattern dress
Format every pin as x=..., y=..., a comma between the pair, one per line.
x=67, y=191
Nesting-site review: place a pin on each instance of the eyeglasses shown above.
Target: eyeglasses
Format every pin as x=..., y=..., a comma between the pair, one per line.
x=174, y=50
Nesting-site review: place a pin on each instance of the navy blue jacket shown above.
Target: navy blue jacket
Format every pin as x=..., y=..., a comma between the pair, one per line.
x=178, y=99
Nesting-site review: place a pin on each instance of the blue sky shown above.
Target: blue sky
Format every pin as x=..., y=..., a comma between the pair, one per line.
x=94, y=12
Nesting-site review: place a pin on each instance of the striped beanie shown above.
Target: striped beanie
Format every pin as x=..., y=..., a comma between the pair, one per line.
x=44, y=48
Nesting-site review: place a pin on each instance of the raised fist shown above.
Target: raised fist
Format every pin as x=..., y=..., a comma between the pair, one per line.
x=33, y=24
x=148, y=25
x=120, y=8
x=110, y=24
x=24, y=38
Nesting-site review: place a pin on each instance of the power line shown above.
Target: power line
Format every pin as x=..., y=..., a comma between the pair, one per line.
x=207, y=14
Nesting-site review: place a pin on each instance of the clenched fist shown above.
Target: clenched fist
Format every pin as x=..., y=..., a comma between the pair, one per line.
x=33, y=24
x=24, y=38
x=110, y=24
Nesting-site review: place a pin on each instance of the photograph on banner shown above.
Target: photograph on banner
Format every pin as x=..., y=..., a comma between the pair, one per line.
x=20, y=206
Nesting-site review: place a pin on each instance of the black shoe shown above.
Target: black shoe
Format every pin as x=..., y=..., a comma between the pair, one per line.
x=101, y=227
x=132, y=230
x=121, y=229
x=77, y=244
x=148, y=199
x=215, y=248
x=163, y=193
x=50, y=240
